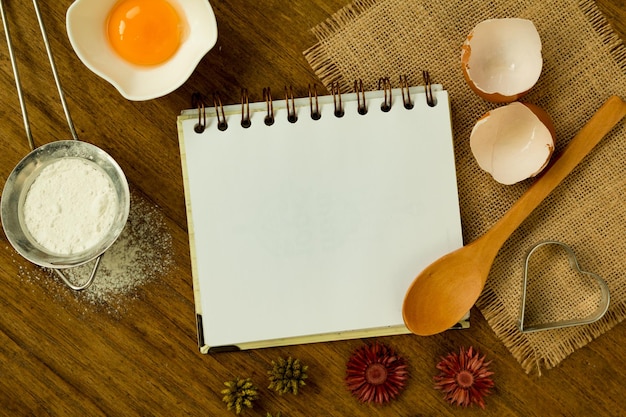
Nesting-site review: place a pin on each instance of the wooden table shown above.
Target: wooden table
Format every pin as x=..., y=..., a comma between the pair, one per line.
x=61, y=356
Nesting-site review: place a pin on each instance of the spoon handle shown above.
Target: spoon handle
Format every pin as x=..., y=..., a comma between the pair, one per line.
x=611, y=112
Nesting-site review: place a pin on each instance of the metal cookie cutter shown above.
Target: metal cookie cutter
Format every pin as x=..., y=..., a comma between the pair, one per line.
x=596, y=315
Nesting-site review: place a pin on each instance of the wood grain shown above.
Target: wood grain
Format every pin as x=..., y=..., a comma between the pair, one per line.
x=61, y=356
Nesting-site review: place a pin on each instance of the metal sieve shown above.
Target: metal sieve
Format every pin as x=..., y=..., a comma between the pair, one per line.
x=27, y=170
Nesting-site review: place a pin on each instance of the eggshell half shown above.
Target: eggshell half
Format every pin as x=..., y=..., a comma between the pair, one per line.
x=501, y=59
x=513, y=142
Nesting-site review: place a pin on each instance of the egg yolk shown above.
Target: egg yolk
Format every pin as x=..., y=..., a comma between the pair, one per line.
x=144, y=32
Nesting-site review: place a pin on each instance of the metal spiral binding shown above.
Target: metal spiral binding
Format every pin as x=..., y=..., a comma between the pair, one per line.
x=360, y=97
x=430, y=99
x=267, y=97
x=385, y=85
x=315, y=114
x=292, y=116
x=406, y=96
x=219, y=112
x=245, y=109
x=198, y=102
x=336, y=92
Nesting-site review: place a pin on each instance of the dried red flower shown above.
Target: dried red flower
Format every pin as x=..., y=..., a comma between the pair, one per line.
x=465, y=378
x=376, y=374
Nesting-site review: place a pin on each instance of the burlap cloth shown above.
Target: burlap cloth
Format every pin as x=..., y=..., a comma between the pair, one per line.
x=584, y=63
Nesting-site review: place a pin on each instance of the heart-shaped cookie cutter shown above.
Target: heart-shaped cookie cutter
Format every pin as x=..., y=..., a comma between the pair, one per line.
x=603, y=305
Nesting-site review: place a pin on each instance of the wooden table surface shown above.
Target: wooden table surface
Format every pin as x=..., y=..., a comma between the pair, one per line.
x=63, y=356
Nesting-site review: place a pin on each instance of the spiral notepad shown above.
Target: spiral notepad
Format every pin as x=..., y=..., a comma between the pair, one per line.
x=309, y=217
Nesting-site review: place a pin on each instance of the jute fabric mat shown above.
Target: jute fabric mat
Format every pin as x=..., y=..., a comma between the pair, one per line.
x=584, y=63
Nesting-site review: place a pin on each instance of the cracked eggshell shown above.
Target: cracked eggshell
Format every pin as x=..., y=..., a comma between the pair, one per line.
x=513, y=142
x=501, y=59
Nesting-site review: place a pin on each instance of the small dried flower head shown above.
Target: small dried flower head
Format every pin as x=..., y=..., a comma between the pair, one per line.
x=287, y=375
x=375, y=373
x=464, y=378
x=239, y=393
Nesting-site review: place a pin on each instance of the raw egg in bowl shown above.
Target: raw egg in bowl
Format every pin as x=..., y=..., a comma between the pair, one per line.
x=144, y=48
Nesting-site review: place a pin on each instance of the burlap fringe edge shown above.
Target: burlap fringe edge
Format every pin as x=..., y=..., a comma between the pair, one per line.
x=521, y=346
x=603, y=28
x=496, y=315
x=318, y=57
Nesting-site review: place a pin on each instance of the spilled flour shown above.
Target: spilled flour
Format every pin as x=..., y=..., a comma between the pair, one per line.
x=141, y=254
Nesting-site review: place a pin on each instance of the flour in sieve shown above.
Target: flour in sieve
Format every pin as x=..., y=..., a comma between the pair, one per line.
x=70, y=206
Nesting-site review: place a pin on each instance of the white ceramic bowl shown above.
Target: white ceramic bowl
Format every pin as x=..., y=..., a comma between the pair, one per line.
x=86, y=27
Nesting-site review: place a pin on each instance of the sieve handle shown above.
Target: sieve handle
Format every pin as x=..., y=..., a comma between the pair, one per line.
x=55, y=74
x=18, y=85
x=87, y=283
x=16, y=75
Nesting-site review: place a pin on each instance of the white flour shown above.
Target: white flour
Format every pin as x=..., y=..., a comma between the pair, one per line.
x=70, y=206
x=142, y=253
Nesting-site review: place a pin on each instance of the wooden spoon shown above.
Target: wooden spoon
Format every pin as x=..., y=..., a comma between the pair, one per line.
x=447, y=289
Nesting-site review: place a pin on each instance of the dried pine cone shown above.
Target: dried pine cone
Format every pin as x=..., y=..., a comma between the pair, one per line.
x=239, y=393
x=287, y=375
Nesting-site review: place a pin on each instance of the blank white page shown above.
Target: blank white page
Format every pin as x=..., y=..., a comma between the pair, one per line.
x=315, y=229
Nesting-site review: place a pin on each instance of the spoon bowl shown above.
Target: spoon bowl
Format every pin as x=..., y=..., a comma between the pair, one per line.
x=425, y=310
x=448, y=288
